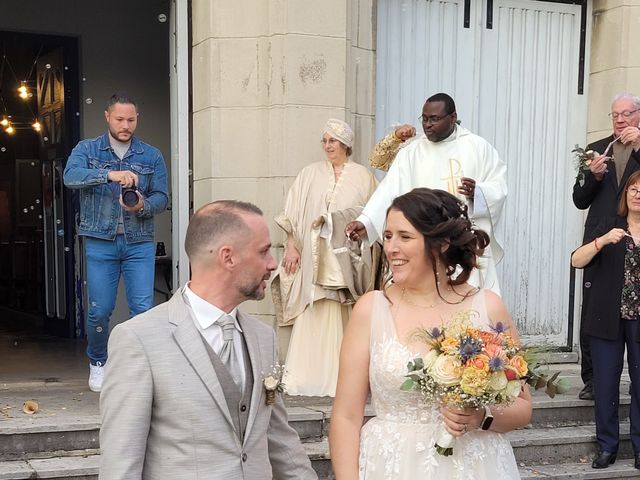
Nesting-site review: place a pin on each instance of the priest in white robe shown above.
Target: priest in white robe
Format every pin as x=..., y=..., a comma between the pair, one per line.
x=448, y=157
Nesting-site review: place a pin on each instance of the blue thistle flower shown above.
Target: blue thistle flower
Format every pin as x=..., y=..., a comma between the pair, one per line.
x=435, y=332
x=499, y=327
x=469, y=347
x=496, y=364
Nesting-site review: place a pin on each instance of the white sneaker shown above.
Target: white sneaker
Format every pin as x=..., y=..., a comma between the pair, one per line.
x=96, y=377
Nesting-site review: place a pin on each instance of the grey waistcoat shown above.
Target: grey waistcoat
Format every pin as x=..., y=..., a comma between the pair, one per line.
x=237, y=401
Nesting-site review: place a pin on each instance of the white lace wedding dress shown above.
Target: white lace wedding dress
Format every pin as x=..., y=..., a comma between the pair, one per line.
x=398, y=443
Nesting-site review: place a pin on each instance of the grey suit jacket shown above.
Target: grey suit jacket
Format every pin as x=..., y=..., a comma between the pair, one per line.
x=164, y=415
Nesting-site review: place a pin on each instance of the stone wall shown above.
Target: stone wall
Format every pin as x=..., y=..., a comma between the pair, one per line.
x=615, y=63
x=266, y=76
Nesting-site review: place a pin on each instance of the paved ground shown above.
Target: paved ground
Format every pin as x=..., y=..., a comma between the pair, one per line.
x=53, y=372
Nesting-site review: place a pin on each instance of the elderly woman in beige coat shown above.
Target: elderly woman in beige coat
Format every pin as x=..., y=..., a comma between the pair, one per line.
x=316, y=313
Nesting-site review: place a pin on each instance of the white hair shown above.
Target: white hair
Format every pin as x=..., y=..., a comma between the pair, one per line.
x=627, y=96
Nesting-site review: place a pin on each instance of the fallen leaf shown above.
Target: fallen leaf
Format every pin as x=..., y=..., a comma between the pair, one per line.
x=30, y=407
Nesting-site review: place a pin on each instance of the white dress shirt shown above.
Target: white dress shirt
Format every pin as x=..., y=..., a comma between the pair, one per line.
x=205, y=317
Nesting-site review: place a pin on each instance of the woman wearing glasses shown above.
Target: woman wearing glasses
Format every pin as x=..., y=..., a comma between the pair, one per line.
x=301, y=297
x=599, y=191
x=612, y=318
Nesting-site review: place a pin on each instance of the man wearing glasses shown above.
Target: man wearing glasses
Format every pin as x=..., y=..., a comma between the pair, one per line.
x=447, y=157
x=616, y=157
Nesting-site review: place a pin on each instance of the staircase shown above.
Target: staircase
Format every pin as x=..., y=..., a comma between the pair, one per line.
x=61, y=440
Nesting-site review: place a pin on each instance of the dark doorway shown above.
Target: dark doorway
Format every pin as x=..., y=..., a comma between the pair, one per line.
x=38, y=128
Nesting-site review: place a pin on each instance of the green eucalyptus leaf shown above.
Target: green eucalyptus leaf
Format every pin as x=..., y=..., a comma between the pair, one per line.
x=407, y=385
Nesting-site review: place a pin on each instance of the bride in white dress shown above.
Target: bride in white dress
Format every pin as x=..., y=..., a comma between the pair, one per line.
x=431, y=248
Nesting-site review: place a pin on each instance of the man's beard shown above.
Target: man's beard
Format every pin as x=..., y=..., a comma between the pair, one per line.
x=253, y=291
x=116, y=136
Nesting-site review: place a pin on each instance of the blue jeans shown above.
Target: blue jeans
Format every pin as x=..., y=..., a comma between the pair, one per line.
x=106, y=260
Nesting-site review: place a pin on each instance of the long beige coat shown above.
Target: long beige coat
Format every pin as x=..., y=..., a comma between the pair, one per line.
x=314, y=192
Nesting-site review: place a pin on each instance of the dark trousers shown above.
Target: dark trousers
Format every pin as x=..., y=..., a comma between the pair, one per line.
x=586, y=365
x=608, y=359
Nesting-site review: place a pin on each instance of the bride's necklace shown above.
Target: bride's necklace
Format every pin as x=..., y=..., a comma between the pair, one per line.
x=406, y=298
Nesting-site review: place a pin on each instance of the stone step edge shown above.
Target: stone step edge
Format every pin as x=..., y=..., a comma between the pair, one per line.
x=572, y=471
x=295, y=414
x=89, y=465
x=56, y=467
x=518, y=438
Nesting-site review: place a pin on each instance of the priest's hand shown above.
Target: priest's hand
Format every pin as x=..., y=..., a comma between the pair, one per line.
x=467, y=187
x=355, y=230
x=405, y=132
x=598, y=166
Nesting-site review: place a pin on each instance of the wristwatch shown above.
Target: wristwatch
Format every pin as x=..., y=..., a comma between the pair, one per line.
x=487, y=420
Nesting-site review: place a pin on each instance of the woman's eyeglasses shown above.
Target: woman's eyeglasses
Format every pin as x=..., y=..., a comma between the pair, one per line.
x=633, y=191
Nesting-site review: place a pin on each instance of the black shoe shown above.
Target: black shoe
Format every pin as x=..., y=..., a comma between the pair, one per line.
x=604, y=459
x=587, y=392
x=636, y=462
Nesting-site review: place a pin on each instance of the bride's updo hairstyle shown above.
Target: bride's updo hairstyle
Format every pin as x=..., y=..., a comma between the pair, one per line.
x=443, y=220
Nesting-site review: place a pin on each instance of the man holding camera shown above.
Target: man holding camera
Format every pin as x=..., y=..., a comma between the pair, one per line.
x=123, y=184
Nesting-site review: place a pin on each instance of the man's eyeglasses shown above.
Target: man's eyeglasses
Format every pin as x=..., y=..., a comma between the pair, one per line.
x=633, y=191
x=433, y=118
x=625, y=114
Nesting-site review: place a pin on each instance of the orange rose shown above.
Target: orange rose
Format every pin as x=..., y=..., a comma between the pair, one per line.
x=479, y=362
x=494, y=350
x=489, y=338
x=449, y=345
x=519, y=364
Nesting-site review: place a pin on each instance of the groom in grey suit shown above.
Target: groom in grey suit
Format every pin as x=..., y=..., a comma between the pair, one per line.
x=184, y=396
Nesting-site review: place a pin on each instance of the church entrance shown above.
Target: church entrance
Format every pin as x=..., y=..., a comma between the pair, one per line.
x=516, y=69
x=71, y=57
x=38, y=95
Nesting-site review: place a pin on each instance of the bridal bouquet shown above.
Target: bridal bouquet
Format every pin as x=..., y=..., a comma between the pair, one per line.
x=469, y=367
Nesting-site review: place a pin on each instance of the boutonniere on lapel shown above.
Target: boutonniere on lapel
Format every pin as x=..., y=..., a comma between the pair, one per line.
x=273, y=383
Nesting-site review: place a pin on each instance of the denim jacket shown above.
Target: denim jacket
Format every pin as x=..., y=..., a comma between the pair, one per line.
x=87, y=169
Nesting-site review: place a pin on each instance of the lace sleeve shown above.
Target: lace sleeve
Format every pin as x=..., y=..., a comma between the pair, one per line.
x=385, y=151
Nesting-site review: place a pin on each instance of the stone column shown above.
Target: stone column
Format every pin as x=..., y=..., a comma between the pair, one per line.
x=615, y=62
x=266, y=76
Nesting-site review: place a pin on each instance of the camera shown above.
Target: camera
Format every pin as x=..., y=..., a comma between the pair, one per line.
x=130, y=196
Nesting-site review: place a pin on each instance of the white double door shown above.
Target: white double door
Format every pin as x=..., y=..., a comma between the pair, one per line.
x=512, y=67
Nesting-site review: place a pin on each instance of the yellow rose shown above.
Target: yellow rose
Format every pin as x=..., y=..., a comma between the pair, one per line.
x=474, y=381
x=446, y=370
x=519, y=364
x=497, y=381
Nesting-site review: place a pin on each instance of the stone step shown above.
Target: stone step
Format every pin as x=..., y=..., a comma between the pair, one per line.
x=536, y=447
x=77, y=467
x=55, y=429
x=581, y=471
x=86, y=468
